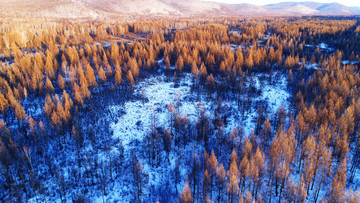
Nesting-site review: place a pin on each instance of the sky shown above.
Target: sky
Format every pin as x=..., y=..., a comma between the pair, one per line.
x=265, y=2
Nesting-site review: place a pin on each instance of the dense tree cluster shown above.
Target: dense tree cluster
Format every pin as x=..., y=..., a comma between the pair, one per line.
x=60, y=65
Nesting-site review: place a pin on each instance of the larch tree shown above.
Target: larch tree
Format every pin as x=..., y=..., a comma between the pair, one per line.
x=83, y=84
x=194, y=69
x=210, y=60
x=203, y=71
x=186, y=196
x=233, y=181
x=114, y=50
x=77, y=95
x=324, y=169
x=61, y=81
x=206, y=180
x=179, y=64
x=337, y=188
x=244, y=169
x=4, y=104
x=20, y=114
x=233, y=157
x=167, y=141
x=172, y=111
x=195, y=171
x=212, y=164
x=118, y=75
x=220, y=181
x=167, y=62
x=130, y=78
x=49, y=88
x=257, y=171
x=249, y=61
x=68, y=104
x=308, y=152
x=210, y=81
x=90, y=76
x=222, y=67
x=102, y=75
x=271, y=55
x=139, y=179
x=282, y=155
x=266, y=133
x=134, y=68
x=49, y=65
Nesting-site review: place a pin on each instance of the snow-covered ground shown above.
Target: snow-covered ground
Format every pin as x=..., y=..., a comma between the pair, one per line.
x=347, y=62
x=322, y=46
x=235, y=31
x=313, y=66
x=151, y=97
x=159, y=91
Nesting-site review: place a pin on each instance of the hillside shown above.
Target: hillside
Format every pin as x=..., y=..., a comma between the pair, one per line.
x=131, y=7
x=249, y=9
x=47, y=9
x=181, y=8
x=356, y=8
x=310, y=8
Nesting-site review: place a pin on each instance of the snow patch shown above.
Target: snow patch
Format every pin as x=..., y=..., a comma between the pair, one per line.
x=347, y=62
x=156, y=93
x=235, y=31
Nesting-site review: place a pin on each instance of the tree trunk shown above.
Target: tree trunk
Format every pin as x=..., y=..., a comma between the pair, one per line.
x=319, y=188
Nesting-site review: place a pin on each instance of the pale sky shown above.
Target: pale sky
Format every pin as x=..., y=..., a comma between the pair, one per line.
x=265, y=2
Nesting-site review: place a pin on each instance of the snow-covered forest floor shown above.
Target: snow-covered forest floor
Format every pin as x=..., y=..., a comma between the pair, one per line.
x=120, y=124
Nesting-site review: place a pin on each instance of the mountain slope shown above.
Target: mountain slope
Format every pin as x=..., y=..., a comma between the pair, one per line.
x=128, y=7
x=356, y=8
x=311, y=8
x=47, y=9
x=288, y=8
x=337, y=9
x=249, y=9
x=181, y=8
x=196, y=7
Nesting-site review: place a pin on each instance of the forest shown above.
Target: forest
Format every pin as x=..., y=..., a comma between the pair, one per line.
x=256, y=109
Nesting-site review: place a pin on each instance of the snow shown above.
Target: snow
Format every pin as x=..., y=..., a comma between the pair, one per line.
x=106, y=45
x=234, y=47
x=131, y=120
x=154, y=94
x=9, y=63
x=276, y=95
x=160, y=61
x=347, y=62
x=235, y=31
x=158, y=93
x=322, y=46
x=313, y=66
x=267, y=35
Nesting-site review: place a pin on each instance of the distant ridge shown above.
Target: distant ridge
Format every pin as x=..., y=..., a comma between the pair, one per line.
x=308, y=8
x=98, y=9
x=356, y=8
